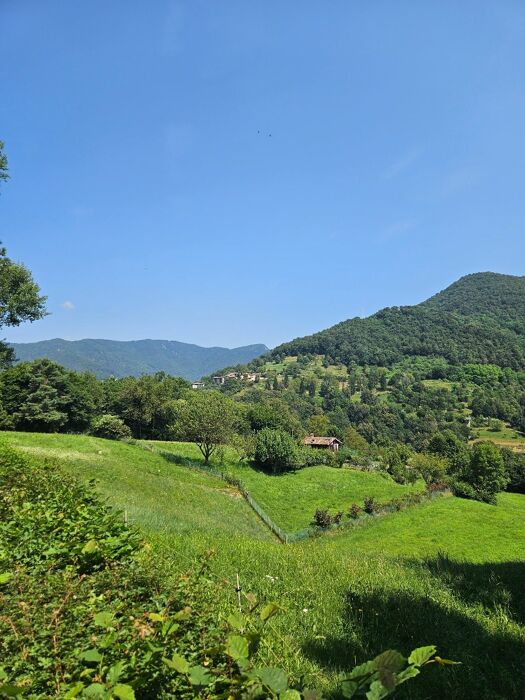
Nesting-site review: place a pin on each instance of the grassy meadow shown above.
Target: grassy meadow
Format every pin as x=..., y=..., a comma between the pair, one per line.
x=507, y=437
x=291, y=499
x=448, y=572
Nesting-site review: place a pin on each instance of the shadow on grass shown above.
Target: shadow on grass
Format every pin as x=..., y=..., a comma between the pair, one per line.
x=491, y=585
x=492, y=656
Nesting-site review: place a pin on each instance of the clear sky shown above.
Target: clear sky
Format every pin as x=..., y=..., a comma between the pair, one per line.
x=228, y=172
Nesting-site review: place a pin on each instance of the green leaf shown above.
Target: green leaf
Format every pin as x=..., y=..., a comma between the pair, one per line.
x=390, y=660
x=10, y=691
x=377, y=691
x=104, y=619
x=388, y=679
x=74, y=691
x=115, y=673
x=269, y=611
x=155, y=617
x=290, y=694
x=92, y=656
x=274, y=678
x=90, y=547
x=310, y=694
x=200, y=676
x=237, y=647
x=96, y=691
x=177, y=663
x=409, y=672
x=183, y=614
x=362, y=671
x=124, y=692
x=421, y=655
x=237, y=621
x=5, y=577
x=349, y=688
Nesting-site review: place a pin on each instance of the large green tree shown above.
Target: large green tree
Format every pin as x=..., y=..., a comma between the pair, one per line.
x=207, y=418
x=146, y=404
x=45, y=397
x=20, y=298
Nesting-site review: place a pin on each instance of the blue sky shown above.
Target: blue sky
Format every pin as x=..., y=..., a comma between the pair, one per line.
x=149, y=199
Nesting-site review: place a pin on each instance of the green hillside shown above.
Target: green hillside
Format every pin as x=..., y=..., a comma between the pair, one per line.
x=478, y=319
x=292, y=498
x=448, y=572
x=107, y=358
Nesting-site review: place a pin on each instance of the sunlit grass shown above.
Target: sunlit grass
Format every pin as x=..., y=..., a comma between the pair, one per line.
x=291, y=499
x=344, y=597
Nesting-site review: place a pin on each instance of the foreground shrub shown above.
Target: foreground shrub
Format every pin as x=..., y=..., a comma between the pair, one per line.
x=383, y=675
x=81, y=617
x=110, y=427
x=275, y=451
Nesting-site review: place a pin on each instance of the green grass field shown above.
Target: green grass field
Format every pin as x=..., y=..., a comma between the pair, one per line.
x=292, y=499
x=160, y=496
x=448, y=572
x=508, y=437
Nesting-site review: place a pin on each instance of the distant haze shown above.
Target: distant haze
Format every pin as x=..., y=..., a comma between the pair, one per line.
x=116, y=358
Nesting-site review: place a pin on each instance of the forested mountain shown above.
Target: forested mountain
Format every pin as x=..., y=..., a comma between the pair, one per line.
x=480, y=319
x=115, y=358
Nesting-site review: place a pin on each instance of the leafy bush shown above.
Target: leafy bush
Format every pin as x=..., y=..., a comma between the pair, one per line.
x=354, y=511
x=275, y=451
x=370, y=505
x=448, y=445
x=82, y=618
x=310, y=457
x=384, y=674
x=515, y=468
x=322, y=518
x=485, y=476
x=397, y=503
x=396, y=460
x=110, y=427
x=431, y=467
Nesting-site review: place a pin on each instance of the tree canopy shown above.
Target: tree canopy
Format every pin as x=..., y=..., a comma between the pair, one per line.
x=20, y=298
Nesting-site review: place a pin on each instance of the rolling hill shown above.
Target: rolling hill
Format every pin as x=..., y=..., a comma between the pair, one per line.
x=116, y=358
x=399, y=582
x=480, y=318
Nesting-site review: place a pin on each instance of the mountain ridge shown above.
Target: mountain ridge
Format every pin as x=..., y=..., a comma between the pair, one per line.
x=121, y=358
x=478, y=318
